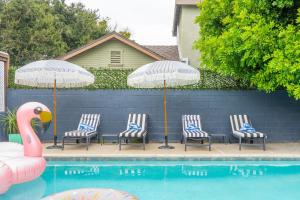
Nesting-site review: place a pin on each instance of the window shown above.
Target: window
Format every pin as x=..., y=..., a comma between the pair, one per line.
x=115, y=57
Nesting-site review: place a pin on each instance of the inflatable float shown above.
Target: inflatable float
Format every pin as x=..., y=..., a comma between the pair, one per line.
x=91, y=194
x=22, y=163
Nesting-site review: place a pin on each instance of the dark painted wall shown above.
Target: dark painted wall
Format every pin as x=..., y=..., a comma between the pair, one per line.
x=2, y=135
x=276, y=114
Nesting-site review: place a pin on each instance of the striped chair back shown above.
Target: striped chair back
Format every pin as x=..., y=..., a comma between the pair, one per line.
x=237, y=121
x=139, y=119
x=191, y=119
x=92, y=120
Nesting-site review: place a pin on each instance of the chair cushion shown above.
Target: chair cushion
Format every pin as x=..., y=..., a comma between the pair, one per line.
x=89, y=122
x=132, y=133
x=243, y=134
x=79, y=133
x=191, y=122
x=137, y=120
x=195, y=134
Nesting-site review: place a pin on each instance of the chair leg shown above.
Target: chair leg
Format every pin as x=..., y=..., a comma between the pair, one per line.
x=181, y=140
x=144, y=140
x=264, y=143
x=63, y=144
x=209, y=143
x=98, y=138
x=185, y=141
x=87, y=143
x=101, y=140
x=120, y=141
x=240, y=143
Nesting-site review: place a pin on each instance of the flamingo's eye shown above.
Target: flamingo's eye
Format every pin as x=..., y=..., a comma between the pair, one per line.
x=38, y=110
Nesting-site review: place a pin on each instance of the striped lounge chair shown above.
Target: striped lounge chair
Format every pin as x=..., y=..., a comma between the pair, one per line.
x=129, y=133
x=237, y=121
x=194, y=135
x=92, y=121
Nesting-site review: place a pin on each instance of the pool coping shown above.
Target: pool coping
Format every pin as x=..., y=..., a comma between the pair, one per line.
x=228, y=152
x=172, y=158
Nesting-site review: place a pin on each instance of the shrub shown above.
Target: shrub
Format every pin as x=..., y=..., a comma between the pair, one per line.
x=256, y=41
x=117, y=79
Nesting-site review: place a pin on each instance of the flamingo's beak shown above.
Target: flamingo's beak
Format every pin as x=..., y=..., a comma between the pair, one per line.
x=45, y=117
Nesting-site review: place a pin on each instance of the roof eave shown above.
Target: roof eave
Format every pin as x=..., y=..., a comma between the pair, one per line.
x=106, y=38
x=178, y=6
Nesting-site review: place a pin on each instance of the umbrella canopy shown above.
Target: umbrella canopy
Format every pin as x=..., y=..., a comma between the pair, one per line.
x=162, y=74
x=43, y=73
x=173, y=73
x=53, y=74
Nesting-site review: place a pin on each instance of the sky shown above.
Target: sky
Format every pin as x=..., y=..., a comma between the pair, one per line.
x=149, y=21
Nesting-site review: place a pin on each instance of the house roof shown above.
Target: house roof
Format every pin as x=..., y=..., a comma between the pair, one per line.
x=169, y=52
x=178, y=6
x=111, y=36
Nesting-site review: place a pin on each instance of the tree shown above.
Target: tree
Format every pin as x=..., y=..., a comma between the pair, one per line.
x=28, y=31
x=253, y=40
x=77, y=24
x=40, y=29
x=2, y=3
x=126, y=33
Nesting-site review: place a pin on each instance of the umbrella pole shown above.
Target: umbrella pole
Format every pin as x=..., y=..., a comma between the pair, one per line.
x=54, y=113
x=166, y=146
x=55, y=146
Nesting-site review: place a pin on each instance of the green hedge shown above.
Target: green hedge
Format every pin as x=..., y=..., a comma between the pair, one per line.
x=117, y=79
x=11, y=79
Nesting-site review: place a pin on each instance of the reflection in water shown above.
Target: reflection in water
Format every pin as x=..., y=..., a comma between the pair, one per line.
x=159, y=172
x=131, y=171
x=194, y=171
x=87, y=171
x=247, y=171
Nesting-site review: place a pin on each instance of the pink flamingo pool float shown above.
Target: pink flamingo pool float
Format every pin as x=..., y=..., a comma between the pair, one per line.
x=22, y=163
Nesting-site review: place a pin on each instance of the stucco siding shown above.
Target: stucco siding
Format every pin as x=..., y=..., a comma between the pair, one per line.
x=99, y=57
x=187, y=34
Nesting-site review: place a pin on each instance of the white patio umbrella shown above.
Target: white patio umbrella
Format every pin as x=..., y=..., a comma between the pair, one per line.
x=163, y=74
x=53, y=74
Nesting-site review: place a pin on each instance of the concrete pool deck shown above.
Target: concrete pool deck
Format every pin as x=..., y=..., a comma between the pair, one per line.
x=274, y=151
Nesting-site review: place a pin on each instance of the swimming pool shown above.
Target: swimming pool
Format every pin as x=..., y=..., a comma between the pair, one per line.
x=165, y=180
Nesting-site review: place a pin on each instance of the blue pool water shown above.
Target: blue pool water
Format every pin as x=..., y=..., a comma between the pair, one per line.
x=166, y=180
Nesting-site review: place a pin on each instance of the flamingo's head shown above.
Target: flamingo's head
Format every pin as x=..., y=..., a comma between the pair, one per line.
x=34, y=110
